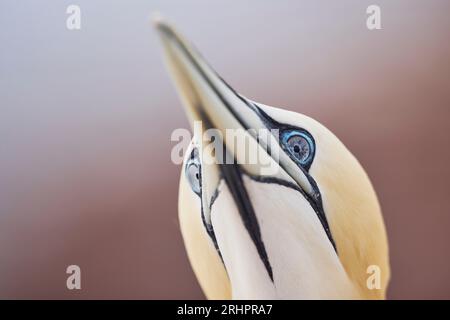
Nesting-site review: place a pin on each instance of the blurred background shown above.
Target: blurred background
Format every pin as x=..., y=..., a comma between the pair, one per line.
x=86, y=117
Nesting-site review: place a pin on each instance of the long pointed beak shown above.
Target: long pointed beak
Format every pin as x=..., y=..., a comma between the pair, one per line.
x=207, y=98
x=205, y=95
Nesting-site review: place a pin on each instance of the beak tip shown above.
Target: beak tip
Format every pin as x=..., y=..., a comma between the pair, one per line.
x=157, y=19
x=161, y=24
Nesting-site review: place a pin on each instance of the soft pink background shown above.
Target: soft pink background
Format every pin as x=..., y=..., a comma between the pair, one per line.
x=86, y=118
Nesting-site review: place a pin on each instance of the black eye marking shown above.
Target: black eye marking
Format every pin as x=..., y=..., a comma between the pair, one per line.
x=298, y=143
x=193, y=172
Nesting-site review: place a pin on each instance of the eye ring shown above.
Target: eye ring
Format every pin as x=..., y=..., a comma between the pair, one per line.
x=193, y=172
x=300, y=146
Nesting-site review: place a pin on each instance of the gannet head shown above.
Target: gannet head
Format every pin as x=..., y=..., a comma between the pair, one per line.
x=302, y=221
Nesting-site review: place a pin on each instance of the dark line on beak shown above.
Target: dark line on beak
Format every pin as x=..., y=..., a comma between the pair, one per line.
x=169, y=32
x=232, y=174
x=233, y=177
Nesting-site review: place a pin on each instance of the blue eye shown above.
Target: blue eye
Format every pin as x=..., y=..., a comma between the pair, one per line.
x=193, y=172
x=299, y=145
